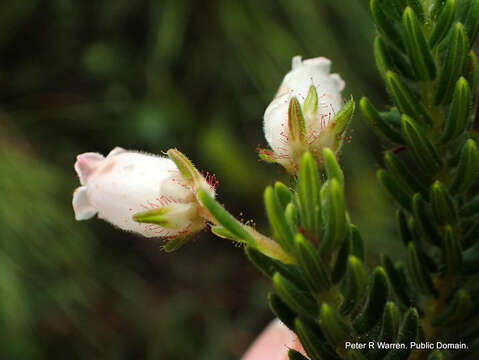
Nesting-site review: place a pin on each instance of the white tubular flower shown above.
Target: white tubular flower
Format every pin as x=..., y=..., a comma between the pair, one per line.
x=307, y=114
x=151, y=195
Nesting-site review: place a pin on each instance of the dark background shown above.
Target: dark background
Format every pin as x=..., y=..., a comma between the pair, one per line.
x=84, y=75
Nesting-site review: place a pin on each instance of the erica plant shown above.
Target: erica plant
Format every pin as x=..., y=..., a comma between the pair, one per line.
x=322, y=289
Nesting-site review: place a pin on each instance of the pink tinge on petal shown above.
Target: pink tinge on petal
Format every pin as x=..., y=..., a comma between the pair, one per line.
x=273, y=343
x=86, y=164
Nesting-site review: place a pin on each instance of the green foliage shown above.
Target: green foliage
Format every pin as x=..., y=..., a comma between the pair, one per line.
x=457, y=50
x=47, y=273
x=381, y=123
x=433, y=179
x=417, y=46
x=444, y=23
x=324, y=294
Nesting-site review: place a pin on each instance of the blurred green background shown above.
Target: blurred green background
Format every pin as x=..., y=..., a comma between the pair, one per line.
x=84, y=75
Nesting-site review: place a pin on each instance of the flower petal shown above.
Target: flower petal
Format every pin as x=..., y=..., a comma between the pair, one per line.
x=82, y=207
x=117, y=150
x=86, y=164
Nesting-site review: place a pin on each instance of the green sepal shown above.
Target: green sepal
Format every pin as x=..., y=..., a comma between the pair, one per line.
x=296, y=122
x=176, y=243
x=451, y=251
x=281, y=310
x=471, y=208
x=224, y=233
x=225, y=218
x=471, y=25
x=296, y=299
x=171, y=216
x=384, y=24
x=444, y=22
x=379, y=124
x=334, y=327
x=407, y=333
x=313, y=340
x=185, y=166
x=308, y=188
x=401, y=173
x=343, y=118
x=399, y=284
x=421, y=148
x=442, y=204
x=418, y=9
x=296, y=355
x=378, y=295
x=316, y=272
x=417, y=46
x=418, y=273
x=282, y=232
x=457, y=51
x=457, y=311
x=284, y=194
x=334, y=213
x=393, y=189
x=407, y=101
x=357, y=243
x=403, y=227
x=310, y=104
x=458, y=113
x=424, y=221
x=468, y=168
x=341, y=260
x=333, y=169
x=356, y=284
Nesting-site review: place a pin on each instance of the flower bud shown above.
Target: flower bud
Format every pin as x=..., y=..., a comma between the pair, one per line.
x=147, y=194
x=307, y=114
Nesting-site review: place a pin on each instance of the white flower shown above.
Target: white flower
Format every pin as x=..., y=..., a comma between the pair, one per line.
x=151, y=188
x=307, y=103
